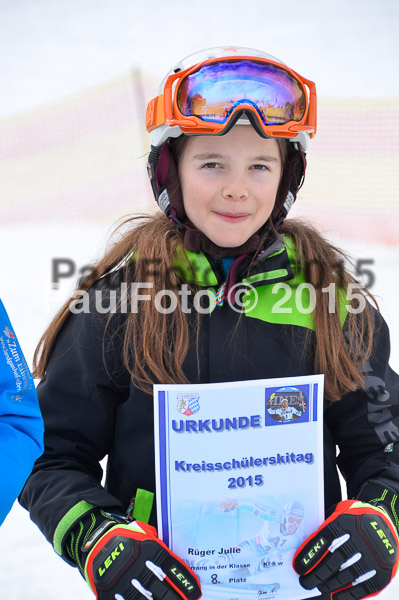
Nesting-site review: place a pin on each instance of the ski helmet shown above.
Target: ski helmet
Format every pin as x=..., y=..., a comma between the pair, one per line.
x=209, y=92
x=294, y=509
x=293, y=514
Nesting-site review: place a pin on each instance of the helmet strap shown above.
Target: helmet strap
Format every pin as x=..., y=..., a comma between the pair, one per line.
x=291, y=182
x=165, y=183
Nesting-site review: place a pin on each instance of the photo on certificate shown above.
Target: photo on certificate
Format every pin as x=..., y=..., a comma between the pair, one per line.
x=240, y=481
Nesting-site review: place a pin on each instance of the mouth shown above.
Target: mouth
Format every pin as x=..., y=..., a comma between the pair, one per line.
x=232, y=217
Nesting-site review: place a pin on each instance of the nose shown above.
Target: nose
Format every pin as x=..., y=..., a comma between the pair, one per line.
x=235, y=189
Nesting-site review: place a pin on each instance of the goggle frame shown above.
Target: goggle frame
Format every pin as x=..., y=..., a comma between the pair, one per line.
x=164, y=110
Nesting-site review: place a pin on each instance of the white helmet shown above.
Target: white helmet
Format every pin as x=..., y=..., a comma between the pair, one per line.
x=207, y=93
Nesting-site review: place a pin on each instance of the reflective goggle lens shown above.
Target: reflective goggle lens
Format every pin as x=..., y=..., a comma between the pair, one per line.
x=214, y=91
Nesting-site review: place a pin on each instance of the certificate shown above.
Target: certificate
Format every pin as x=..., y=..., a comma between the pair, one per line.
x=239, y=474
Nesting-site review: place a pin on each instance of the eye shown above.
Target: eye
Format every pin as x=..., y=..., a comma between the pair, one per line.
x=211, y=165
x=260, y=167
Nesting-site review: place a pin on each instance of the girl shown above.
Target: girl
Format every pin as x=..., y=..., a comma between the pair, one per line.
x=229, y=131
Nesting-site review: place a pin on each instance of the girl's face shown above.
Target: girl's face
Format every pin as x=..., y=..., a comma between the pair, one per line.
x=229, y=183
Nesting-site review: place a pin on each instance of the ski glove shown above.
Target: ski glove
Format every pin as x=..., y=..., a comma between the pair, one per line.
x=354, y=554
x=129, y=562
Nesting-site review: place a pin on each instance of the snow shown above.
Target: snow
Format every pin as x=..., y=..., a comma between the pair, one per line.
x=51, y=50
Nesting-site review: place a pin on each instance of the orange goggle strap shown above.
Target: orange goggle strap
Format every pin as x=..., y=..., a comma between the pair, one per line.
x=163, y=109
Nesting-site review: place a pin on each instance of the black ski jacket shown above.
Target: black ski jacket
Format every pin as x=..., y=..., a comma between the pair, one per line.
x=92, y=410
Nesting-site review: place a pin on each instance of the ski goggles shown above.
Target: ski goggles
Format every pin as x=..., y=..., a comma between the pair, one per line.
x=211, y=96
x=294, y=520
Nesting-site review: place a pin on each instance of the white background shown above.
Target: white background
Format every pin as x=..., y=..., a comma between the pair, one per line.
x=50, y=49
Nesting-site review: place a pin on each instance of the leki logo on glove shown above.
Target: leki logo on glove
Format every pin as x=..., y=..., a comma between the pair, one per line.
x=319, y=545
x=181, y=578
x=383, y=537
x=111, y=558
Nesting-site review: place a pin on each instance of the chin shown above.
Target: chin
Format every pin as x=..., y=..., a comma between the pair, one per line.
x=229, y=243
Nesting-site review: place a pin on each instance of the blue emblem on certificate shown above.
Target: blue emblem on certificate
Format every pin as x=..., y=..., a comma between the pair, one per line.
x=239, y=470
x=188, y=404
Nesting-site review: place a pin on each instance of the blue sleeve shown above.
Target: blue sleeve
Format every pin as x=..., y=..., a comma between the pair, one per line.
x=21, y=424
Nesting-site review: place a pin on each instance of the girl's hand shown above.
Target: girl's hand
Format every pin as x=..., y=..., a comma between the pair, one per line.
x=354, y=554
x=129, y=562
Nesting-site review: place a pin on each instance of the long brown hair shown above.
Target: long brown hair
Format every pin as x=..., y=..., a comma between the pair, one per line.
x=155, y=344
